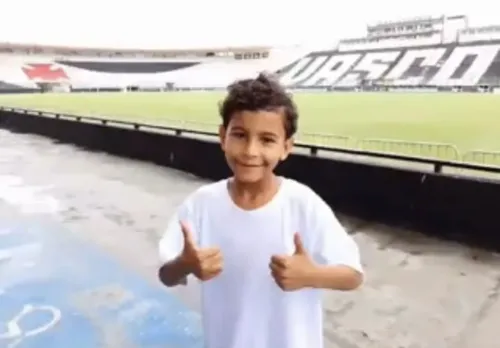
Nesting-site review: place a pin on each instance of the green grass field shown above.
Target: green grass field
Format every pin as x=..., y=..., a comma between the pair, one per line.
x=466, y=121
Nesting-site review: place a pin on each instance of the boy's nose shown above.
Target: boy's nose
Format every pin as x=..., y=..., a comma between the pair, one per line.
x=251, y=149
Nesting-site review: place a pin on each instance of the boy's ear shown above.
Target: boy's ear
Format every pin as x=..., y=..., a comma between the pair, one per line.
x=222, y=135
x=288, y=148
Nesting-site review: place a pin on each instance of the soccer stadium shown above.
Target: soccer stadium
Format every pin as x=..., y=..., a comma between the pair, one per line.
x=413, y=61
x=79, y=229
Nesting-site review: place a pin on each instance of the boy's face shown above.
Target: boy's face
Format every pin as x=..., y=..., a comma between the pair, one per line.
x=254, y=143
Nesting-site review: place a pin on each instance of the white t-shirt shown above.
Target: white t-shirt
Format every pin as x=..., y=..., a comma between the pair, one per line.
x=243, y=307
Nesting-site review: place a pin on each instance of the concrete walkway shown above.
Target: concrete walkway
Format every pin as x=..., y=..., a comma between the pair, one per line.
x=78, y=260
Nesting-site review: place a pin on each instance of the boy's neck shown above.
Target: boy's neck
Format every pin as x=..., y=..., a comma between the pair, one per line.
x=254, y=195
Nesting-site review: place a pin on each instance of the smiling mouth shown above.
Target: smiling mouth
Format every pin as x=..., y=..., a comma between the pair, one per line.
x=249, y=165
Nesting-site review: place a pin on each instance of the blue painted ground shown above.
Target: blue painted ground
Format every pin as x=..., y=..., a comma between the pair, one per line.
x=57, y=291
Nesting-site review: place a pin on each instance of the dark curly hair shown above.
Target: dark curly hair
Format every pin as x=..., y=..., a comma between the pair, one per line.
x=261, y=93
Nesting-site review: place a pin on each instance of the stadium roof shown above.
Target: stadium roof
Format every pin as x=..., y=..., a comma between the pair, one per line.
x=134, y=50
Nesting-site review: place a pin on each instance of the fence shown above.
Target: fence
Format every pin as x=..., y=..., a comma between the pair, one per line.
x=325, y=139
x=411, y=148
x=491, y=158
x=429, y=150
x=437, y=155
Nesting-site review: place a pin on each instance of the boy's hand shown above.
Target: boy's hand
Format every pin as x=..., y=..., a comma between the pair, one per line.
x=292, y=272
x=206, y=263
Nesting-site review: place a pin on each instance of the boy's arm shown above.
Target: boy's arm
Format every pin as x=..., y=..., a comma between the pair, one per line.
x=335, y=253
x=331, y=277
x=174, y=270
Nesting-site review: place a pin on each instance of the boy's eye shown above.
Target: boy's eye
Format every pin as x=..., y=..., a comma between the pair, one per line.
x=238, y=135
x=268, y=140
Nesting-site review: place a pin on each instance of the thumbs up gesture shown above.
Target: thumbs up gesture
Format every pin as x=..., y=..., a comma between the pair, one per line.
x=291, y=272
x=204, y=263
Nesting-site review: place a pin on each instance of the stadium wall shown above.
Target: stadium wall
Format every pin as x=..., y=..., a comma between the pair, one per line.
x=445, y=206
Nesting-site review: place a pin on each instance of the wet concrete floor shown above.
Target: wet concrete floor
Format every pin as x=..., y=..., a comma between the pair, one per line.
x=419, y=292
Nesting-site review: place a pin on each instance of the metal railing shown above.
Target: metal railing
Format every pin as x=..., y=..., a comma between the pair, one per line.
x=411, y=148
x=444, y=155
x=490, y=158
x=325, y=139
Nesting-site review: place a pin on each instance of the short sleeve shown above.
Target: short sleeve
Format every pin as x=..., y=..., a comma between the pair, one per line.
x=332, y=245
x=172, y=241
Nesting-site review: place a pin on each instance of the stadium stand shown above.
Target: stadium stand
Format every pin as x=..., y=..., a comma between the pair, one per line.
x=450, y=65
x=423, y=53
x=67, y=69
x=430, y=53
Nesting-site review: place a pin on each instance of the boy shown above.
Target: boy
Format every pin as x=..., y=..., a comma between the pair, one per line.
x=262, y=245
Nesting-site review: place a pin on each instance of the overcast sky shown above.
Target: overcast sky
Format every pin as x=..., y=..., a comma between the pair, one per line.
x=204, y=23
